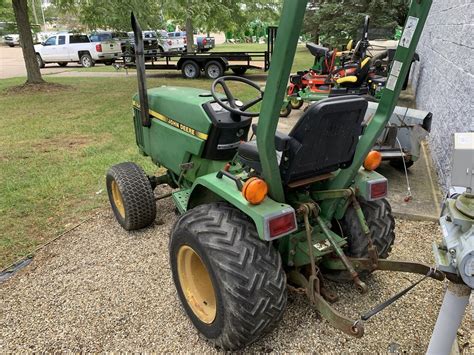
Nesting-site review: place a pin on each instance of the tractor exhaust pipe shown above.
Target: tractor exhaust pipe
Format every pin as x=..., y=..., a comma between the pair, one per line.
x=140, y=66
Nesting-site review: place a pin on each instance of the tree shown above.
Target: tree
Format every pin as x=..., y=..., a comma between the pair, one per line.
x=20, y=8
x=6, y=11
x=334, y=22
x=115, y=15
x=220, y=15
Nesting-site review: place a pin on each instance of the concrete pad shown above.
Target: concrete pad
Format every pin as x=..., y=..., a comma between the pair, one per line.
x=426, y=195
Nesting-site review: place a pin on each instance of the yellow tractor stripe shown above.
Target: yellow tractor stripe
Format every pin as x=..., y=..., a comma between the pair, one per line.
x=174, y=123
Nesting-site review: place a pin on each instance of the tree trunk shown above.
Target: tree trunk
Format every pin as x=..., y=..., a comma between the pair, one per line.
x=20, y=8
x=189, y=35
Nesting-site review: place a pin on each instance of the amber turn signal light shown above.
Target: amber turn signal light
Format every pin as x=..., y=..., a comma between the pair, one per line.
x=373, y=160
x=255, y=190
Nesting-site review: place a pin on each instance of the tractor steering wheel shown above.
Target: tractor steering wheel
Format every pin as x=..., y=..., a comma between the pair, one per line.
x=232, y=105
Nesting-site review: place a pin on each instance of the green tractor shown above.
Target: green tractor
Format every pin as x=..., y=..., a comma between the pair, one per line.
x=258, y=217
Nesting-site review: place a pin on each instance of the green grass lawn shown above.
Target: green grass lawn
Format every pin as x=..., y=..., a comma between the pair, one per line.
x=55, y=148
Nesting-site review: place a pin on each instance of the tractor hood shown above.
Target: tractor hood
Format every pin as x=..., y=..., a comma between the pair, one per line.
x=175, y=104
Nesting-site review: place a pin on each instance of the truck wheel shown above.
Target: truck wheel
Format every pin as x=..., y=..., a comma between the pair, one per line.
x=129, y=56
x=39, y=60
x=231, y=284
x=285, y=112
x=239, y=71
x=190, y=70
x=398, y=163
x=131, y=196
x=86, y=61
x=11, y=45
x=62, y=64
x=214, y=69
x=378, y=215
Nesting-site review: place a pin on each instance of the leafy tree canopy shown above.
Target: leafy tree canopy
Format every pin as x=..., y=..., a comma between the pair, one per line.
x=99, y=14
x=334, y=22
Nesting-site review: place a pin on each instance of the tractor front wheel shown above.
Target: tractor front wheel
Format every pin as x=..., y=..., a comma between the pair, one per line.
x=231, y=283
x=378, y=215
x=131, y=196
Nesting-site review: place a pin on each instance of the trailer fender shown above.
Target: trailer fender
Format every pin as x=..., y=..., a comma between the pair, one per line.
x=209, y=188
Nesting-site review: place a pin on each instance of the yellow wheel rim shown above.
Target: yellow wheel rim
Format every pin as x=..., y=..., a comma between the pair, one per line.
x=118, y=200
x=196, y=284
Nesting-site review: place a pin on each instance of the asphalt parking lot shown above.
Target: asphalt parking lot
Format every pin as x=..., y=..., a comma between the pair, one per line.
x=12, y=64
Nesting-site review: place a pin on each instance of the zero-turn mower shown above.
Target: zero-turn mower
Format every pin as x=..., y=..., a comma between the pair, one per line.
x=263, y=216
x=356, y=71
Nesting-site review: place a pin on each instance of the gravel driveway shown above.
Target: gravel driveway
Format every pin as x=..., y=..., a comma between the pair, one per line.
x=100, y=288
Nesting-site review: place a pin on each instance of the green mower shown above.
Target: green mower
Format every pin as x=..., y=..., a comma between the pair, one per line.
x=263, y=216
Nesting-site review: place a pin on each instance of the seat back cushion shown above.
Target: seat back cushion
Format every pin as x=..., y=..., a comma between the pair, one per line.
x=324, y=139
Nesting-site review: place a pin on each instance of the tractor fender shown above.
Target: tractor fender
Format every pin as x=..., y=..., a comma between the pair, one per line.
x=209, y=188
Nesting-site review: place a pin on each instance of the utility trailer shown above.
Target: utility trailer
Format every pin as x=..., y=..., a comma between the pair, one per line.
x=212, y=64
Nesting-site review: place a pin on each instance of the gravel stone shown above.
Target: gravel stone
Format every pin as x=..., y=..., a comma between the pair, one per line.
x=101, y=288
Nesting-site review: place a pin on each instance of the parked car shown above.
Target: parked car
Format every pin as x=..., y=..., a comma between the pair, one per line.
x=170, y=44
x=12, y=40
x=179, y=39
x=63, y=48
x=150, y=43
x=202, y=43
x=121, y=37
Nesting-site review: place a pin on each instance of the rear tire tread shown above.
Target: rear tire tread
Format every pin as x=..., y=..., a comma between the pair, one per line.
x=378, y=215
x=250, y=272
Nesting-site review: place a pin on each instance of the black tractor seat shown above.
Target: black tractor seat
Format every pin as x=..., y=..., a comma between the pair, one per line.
x=323, y=140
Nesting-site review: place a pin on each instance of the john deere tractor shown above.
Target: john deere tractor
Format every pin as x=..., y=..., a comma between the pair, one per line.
x=260, y=216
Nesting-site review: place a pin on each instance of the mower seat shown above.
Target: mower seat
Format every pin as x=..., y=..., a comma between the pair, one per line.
x=323, y=140
x=359, y=77
x=317, y=51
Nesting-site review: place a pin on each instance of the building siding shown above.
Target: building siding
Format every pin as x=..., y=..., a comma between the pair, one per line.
x=443, y=80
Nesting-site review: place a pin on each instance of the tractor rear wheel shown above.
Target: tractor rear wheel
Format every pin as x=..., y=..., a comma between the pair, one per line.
x=378, y=215
x=231, y=283
x=131, y=196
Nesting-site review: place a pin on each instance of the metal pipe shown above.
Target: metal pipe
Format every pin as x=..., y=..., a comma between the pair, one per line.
x=450, y=317
x=140, y=66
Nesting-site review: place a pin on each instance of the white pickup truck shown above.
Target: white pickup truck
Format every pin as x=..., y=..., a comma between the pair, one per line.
x=63, y=48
